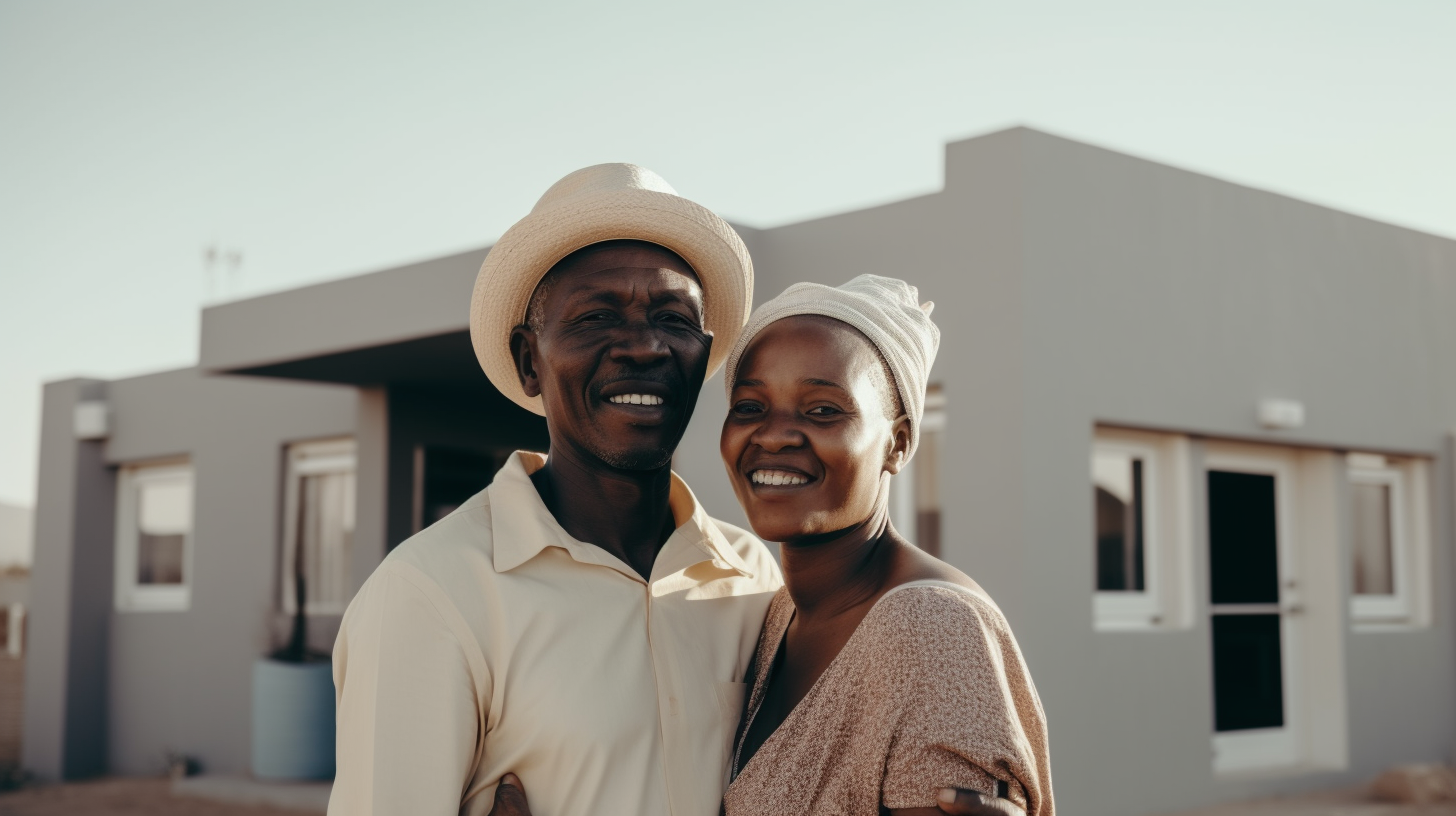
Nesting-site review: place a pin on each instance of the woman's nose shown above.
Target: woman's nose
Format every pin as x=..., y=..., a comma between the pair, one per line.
x=777, y=431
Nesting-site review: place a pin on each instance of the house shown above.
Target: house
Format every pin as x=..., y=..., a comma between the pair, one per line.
x=1195, y=438
x=15, y=543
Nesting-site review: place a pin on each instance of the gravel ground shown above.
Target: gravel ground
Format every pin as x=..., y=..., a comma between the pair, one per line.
x=121, y=797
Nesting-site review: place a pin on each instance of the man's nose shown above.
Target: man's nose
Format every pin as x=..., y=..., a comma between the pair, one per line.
x=639, y=344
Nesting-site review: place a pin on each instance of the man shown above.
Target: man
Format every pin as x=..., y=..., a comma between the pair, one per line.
x=582, y=623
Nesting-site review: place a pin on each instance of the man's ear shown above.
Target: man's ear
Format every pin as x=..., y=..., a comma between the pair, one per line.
x=899, y=445
x=523, y=351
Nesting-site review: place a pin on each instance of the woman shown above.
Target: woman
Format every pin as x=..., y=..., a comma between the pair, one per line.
x=882, y=674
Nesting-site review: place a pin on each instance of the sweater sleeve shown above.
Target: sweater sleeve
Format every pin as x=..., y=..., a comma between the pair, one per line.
x=966, y=712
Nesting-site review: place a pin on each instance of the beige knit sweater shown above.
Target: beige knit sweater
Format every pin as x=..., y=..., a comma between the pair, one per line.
x=930, y=691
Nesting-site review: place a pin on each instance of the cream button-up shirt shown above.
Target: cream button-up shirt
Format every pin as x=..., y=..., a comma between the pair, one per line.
x=494, y=642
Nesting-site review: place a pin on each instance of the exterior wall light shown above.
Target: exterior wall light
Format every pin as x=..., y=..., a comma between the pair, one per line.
x=1281, y=414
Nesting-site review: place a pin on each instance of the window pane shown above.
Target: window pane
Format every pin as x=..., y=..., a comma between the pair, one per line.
x=927, y=491
x=1243, y=544
x=159, y=558
x=1374, y=572
x=1118, y=493
x=1248, y=683
x=164, y=519
x=325, y=533
x=164, y=505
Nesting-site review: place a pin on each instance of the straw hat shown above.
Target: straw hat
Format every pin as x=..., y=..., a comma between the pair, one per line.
x=606, y=202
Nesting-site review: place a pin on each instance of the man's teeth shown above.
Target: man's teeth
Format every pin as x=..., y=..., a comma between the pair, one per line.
x=636, y=399
x=777, y=477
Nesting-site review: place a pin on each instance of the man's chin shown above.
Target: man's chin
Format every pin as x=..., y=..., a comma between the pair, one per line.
x=637, y=458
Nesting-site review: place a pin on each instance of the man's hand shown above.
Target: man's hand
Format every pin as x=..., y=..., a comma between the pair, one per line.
x=510, y=798
x=971, y=803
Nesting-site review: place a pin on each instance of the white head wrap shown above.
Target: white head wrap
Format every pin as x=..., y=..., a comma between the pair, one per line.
x=886, y=310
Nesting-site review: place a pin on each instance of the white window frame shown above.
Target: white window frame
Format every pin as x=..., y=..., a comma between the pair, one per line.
x=309, y=459
x=1410, y=543
x=904, y=513
x=1166, y=600
x=131, y=596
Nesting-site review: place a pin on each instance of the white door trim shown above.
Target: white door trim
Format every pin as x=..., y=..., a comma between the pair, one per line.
x=1259, y=749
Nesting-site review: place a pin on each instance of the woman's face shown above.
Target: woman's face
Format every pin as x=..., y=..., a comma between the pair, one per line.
x=808, y=441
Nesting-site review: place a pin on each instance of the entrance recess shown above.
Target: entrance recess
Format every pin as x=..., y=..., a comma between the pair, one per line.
x=1254, y=608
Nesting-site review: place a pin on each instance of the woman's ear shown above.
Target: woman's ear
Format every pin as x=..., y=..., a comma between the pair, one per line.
x=523, y=349
x=899, y=445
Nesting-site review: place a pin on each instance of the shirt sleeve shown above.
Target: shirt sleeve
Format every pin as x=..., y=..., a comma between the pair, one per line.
x=410, y=725
x=967, y=714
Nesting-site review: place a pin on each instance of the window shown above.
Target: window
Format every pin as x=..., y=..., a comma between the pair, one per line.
x=154, y=538
x=1140, y=530
x=1389, y=540
x=915, y=491
x=318, y=529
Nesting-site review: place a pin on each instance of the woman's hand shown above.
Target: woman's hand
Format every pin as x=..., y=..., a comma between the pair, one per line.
x=510, y=798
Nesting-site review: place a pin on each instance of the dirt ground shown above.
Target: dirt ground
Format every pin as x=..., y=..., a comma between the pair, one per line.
x=121, y=797
x=1353, y=802
x=153, y=797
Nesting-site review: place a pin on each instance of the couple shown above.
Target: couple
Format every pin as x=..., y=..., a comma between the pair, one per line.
x=581, y=638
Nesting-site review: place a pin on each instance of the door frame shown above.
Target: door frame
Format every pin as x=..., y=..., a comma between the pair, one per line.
x=1264, y=748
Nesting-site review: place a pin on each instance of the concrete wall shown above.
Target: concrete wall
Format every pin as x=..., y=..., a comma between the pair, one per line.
x=113, y=691
x=69, y=629
x=181, y=681
x=1078, y=286
x=1160, y=298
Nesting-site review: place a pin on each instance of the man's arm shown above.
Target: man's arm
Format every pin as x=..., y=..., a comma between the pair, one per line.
x=408, y=722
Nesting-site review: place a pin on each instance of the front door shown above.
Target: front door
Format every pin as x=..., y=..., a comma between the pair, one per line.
x=1253, y=606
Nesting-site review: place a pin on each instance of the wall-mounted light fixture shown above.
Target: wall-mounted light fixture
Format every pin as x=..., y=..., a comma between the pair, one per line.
x=92, y=420
x=1281, y=414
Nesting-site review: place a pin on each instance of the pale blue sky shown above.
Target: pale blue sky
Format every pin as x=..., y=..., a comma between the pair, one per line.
x=324, y=139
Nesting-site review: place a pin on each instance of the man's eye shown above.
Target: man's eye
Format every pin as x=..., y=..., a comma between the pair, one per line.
x=677, y=319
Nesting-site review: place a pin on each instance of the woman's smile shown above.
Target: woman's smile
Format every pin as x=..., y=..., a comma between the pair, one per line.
x=807, y=440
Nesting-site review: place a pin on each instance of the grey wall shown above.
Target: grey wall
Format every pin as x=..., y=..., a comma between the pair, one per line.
x=68, y=629
x=1160, y=298
x=113, y=691
x=1077, y=286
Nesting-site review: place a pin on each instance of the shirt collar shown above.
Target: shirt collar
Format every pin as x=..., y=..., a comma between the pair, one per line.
x=522, y=526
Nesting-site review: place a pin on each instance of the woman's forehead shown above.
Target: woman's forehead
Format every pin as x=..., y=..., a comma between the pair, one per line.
x=810, y=343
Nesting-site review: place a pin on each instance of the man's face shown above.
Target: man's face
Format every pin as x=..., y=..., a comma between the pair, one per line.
x=619, y=354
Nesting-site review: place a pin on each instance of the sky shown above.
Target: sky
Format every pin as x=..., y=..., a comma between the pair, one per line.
x=310, y=141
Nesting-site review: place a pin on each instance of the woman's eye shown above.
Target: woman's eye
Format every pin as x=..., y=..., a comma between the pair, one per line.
x=746, y=407
x=823, y=411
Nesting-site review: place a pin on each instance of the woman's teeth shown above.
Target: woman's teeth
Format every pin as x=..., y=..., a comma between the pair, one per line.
x=635, y=399
x=777, y=477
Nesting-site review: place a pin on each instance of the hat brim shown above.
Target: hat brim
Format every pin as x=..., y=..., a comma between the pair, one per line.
x=528, y=250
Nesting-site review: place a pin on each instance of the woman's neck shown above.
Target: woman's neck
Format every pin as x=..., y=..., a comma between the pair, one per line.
x=832, y=573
